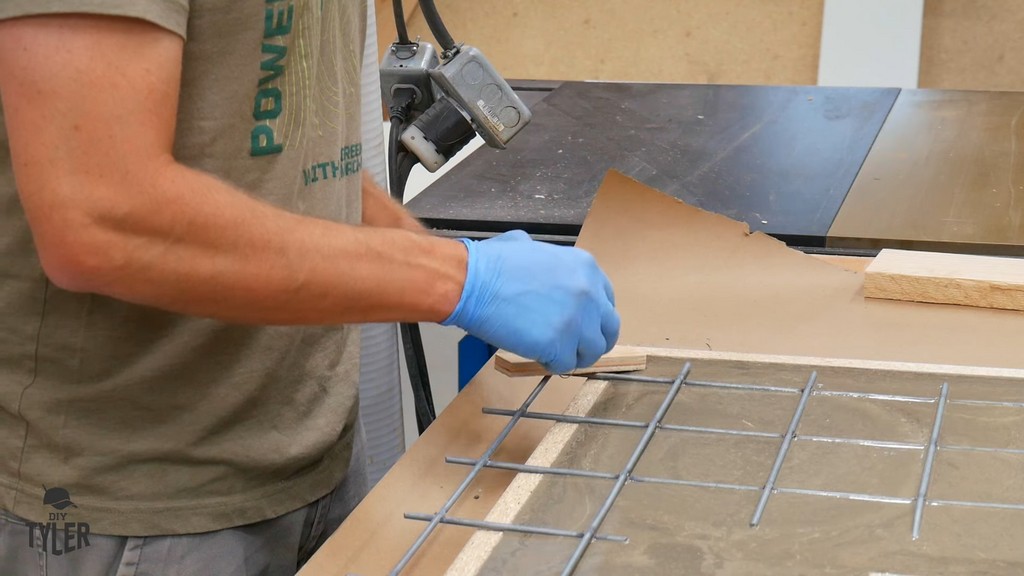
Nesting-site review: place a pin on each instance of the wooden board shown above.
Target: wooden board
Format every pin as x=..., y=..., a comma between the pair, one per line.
x=975, y=45
x=982, y=281
x=699, y=41
x=618, y=360
x=828, y=363
x=945, y=174
x=526, y=500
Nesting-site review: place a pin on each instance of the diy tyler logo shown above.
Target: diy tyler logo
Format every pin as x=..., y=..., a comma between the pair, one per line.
x=58, y=536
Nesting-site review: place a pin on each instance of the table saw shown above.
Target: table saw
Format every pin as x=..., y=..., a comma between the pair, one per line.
x=847, y=169
x=830, y=170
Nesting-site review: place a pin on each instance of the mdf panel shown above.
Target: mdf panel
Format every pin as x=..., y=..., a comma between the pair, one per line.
x=975, y=45
x=691, y=41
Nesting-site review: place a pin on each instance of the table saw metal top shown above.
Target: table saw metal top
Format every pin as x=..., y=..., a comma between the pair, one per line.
x=847, y=170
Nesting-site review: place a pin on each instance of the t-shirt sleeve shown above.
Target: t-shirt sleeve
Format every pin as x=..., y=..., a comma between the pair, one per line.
x=169, y=14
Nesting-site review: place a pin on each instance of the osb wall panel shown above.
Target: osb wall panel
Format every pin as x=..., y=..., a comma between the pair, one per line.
x=973, y=45
x=694, y=41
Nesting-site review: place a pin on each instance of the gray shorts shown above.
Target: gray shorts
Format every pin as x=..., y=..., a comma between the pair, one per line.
x=275, y=547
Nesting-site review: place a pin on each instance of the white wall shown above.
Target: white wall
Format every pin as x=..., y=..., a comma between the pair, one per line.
x=871, y=43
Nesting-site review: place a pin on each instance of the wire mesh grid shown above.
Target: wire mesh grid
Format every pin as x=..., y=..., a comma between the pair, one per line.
x=674, y=386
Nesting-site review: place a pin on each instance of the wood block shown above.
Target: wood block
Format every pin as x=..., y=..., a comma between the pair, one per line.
x=617, y=360
x=981, y=281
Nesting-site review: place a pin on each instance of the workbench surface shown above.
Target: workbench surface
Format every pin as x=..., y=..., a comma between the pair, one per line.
x=946, y=173
x=779, y=158
x=852, y=170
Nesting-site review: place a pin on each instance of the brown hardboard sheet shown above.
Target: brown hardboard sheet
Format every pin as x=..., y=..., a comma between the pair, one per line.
x=945, y=174
x=676, y=529
x=975, y=45
x=685, y=278
x=692, y=41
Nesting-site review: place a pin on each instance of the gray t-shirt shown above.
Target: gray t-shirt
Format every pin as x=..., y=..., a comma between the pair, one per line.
x=158, y=423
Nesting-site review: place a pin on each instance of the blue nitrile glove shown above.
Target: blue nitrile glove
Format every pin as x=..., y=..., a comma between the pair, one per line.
x=549, y=303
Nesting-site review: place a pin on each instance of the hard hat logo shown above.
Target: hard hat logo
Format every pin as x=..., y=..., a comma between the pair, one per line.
x=60, y=534
x=59, y=498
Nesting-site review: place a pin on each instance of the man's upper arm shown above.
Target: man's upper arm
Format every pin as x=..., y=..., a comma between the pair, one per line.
x=89, y=104
x=169, y=14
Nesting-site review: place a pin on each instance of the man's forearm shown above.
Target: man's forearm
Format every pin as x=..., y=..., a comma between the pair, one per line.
x=215, y=252
x=381, y=211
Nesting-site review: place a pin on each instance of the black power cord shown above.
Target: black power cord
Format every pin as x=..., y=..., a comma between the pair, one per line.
x=400, y=164
x=434, y=22
x=395, y=186
x=416, y=363
x=403, y=32
x=438, y=29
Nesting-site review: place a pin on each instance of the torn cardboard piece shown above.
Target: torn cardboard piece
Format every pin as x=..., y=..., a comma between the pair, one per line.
x=685, y=278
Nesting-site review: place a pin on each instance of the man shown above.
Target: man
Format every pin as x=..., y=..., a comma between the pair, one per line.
x=184, y=236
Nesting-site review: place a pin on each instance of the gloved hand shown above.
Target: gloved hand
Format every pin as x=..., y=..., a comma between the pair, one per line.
x=549, y=303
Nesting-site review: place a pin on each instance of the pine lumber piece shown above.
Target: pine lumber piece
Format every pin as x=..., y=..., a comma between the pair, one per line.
x=618, y=360
x=965, y=280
